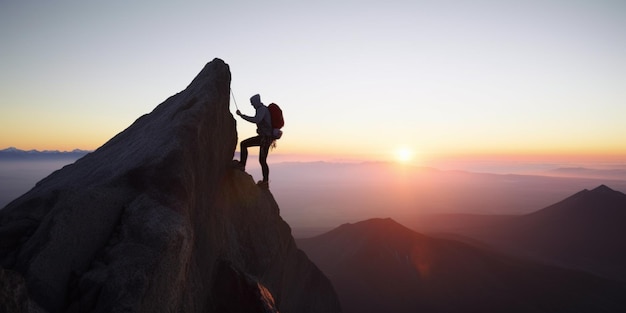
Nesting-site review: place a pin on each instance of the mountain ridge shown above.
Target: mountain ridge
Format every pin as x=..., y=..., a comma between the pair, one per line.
x=13, y=153
x=584, y=231
x=16, y=150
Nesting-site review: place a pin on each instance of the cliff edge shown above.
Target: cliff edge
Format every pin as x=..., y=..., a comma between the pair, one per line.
x=156, y=220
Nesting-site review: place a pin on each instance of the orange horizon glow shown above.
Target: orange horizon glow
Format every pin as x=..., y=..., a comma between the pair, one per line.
x=401, y=155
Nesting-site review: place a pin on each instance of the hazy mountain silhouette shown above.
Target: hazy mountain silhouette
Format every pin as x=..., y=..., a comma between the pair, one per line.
x=316, y=194
x=157, y=220
x=379, y=265
x=13, y=154
x=605, y=174
x=585, y=231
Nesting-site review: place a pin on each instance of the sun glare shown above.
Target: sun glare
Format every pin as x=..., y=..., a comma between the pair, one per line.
x=404, y=155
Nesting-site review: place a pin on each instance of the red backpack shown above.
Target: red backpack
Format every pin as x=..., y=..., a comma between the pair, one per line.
x=277, y=119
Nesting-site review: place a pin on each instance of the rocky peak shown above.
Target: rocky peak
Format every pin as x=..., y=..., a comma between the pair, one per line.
x=600, y=200
x=156, y=220
x=603, y=189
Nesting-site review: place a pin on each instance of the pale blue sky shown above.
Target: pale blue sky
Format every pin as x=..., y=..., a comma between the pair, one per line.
x=353, y=77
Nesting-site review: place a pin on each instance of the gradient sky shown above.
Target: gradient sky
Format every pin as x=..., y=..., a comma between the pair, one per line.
x=354, y=78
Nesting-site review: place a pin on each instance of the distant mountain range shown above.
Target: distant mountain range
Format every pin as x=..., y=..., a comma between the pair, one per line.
x=13, y=153
x=584, y=231
x=379, y=265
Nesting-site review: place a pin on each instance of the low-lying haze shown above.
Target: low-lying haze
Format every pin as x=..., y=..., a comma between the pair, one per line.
x=316, y=196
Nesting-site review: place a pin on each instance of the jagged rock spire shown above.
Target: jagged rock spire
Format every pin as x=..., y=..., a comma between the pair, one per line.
x=140, y=224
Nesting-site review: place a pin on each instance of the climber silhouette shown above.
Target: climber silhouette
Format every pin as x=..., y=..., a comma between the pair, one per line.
x=264, y=139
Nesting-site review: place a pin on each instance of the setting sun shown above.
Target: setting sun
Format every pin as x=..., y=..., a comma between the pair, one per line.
x=404, y=155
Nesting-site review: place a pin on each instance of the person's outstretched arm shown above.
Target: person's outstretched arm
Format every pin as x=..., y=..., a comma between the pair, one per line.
x=258, y=116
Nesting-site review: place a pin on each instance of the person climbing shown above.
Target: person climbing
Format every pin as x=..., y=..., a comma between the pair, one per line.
x=264, y=138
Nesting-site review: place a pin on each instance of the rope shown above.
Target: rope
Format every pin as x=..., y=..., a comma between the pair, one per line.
x=233, y=94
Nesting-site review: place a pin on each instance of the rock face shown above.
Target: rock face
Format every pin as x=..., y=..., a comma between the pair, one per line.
x=156, y=220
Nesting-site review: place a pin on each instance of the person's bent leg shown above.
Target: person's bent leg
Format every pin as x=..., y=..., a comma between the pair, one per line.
x=243, y=150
